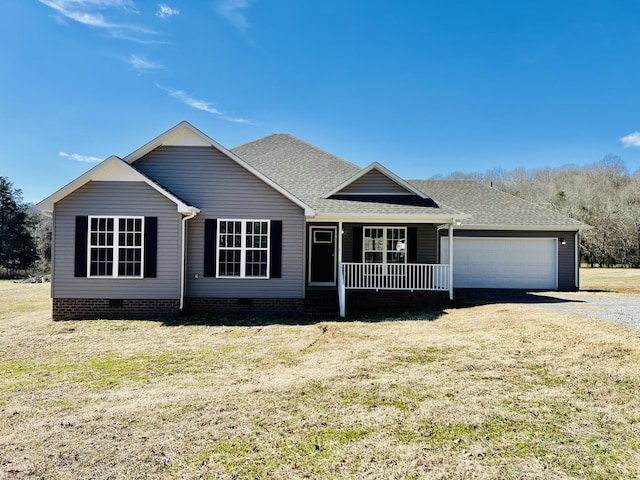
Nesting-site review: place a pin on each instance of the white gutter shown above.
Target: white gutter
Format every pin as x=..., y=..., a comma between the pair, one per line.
x=531, y=228
x=407, y=219
x=183, y=237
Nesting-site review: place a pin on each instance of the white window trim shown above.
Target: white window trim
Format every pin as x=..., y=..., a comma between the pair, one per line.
x=115, y=247
x=384, y=251
x=243, y=247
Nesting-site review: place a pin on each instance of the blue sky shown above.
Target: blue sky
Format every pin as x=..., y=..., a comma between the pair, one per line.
x=423, y=87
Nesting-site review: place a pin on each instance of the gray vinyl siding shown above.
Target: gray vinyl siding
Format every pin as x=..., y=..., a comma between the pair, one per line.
x=373, y=182
x=222, y=189
x=119, y=199
x=427, y=241
x=566, y=253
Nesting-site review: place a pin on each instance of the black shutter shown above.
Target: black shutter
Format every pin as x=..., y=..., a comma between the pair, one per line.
x=412, y=244
x=80, y=262
x=357, y=245
x=150, y=246
x=210, y=244
x=275, y=237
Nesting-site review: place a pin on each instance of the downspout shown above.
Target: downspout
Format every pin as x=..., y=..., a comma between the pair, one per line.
x=183, y=260
x=342, y=297
x=451, y=261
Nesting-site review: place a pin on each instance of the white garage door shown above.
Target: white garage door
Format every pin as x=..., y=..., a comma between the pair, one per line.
x=527, y=263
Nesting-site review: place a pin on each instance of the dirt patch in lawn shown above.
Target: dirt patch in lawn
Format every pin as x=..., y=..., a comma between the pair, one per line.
x=502, y=390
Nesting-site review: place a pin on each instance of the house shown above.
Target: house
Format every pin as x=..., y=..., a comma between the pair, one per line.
x=185, y=223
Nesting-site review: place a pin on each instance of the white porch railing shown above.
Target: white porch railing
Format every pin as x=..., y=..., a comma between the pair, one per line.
x=376, y=276
x=410, y=276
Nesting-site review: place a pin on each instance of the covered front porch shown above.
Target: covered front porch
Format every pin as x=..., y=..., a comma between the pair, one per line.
x=363, y=256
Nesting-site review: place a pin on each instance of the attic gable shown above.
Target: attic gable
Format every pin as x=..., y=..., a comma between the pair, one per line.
x=186, y=135
x=376, y=181
x=183, y=134
x=113, y=169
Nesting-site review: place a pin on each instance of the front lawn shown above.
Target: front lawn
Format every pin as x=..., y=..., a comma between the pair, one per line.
x=486, y=391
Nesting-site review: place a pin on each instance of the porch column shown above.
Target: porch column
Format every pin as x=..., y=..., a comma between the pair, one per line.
x=451, y=261
x=576, y=257
x=342, y=297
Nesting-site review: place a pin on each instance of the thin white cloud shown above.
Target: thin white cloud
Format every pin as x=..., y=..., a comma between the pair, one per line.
x=142, y=65
x=203, y=105
x=631, y=140
x=165, y=11
x=80, y=158
x=89, y=12
x=232, y=10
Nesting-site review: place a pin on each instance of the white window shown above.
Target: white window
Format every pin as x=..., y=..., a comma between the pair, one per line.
x=385, y=245
x=243, y=248
x=116, y=246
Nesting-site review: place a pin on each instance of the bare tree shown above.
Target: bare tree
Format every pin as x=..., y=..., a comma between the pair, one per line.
x=603, y=195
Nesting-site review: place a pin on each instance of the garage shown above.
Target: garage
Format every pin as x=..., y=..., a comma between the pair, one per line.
x=527, y=263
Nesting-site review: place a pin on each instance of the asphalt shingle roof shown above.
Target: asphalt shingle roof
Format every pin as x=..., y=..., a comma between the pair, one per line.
x=489, y=207
x=309, y=173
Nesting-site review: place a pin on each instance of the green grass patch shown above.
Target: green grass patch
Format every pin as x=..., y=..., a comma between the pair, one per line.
x=543, y=376
x=400, y=397
x=423, y=356
x=107, y=372
x=309, y=452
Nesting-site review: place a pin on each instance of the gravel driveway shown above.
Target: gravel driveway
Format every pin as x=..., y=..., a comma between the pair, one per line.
x=616, y=307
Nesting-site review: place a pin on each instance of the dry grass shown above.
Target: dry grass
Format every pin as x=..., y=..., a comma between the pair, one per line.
x=489, y=391
x=623, y=280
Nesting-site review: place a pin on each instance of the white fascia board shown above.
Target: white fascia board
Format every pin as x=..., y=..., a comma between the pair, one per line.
x=113, y=169
x=386, y=172
x=198, y=138
x=360, y=218
x=46, y=205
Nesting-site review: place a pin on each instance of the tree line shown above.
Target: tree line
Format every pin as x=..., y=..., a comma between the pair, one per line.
x=25, y=235
x=604, y=195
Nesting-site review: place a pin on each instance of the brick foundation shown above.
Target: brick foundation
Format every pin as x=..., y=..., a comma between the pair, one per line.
x=245, y=306
x=96, y=308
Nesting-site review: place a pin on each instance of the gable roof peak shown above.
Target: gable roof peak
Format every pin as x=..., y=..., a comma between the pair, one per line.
x=185, y=134
x=182, y=134
x=391, y=178
x=113, y=169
